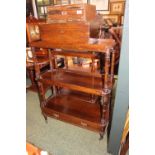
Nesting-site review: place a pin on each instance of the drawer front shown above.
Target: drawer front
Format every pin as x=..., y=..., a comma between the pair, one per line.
x=73, y=120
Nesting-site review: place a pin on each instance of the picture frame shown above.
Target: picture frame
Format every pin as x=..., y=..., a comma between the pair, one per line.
x=33, y=32
x=101, y=5
x=113, y=17
x=117, y=7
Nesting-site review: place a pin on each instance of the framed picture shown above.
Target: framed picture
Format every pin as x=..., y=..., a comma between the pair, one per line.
x=101, y=5
x=113, y=18
x=33, y=32
x=117, y=7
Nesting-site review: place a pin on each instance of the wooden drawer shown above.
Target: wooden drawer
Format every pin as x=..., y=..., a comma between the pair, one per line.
x=73, y=120
x=71, y=13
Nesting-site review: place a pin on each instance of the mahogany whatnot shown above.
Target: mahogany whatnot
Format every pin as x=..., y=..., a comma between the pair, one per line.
x=78, y=98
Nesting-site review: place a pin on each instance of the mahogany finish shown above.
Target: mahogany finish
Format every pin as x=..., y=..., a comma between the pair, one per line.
x=73, y=108
x=74, y=80
x=79, y=98
x=76, y=54
x=64, y=33
x=101, y=45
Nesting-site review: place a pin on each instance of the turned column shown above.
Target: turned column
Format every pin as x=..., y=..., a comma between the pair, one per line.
x=31, y=75
x=36, y=65
x=37, y=75
x=41, y=91
x=112, y=66
x=105, y=98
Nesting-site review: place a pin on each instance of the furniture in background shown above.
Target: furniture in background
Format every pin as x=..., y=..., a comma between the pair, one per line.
x=112, y=19
x=116, y=33
x=41, y=58
x=80, y=98
x=125, y=137
x=108, y=28
x=33, y=150
x=32, y=34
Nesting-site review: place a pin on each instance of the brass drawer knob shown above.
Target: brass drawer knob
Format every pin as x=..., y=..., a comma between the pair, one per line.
x=84, y=124
x=56, y=115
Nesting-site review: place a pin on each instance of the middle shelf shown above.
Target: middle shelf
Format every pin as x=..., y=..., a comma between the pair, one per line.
x=83, y=82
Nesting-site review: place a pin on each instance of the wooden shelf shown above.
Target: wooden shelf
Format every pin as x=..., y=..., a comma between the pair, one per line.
x=73, y=107
x=84, y=82
x=101, y=46
x=76, y=54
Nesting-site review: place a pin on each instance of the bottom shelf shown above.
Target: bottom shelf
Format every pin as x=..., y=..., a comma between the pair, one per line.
x=73, y=108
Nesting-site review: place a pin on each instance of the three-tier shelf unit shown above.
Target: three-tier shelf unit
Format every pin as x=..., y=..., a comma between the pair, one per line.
x=80, y=98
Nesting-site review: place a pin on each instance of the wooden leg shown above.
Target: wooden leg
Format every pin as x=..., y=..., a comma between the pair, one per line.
x=104, y=105
x=31, y=76
x=42, y=99
x=45, y=118
x=101, y=135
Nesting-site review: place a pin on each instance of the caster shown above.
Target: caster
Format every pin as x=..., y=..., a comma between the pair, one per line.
x=45, y=118
x=101, y=136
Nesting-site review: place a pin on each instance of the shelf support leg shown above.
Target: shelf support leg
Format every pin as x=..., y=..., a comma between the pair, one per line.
x=41, y=91
x=52, y=67
x=42, y=99
x=105, y=99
